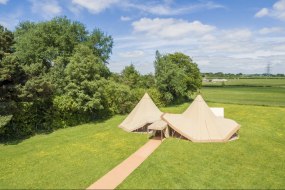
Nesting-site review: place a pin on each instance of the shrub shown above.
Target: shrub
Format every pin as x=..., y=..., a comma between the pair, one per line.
x=156, y=96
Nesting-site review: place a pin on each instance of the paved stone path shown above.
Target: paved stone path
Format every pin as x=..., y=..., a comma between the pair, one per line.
x=114, y=177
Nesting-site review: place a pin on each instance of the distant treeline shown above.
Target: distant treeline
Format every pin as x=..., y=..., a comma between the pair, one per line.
x=241, y=75
x=54, y=74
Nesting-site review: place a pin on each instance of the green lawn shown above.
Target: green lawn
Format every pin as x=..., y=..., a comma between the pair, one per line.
x=270, y=96
x=76, y=157
x=249, y=82
x=68, y=158
x=256, y=160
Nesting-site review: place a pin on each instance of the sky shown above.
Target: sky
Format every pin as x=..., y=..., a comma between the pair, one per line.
x=231, y=36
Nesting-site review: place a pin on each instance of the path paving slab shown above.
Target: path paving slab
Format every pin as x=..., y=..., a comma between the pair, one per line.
x=117, y=175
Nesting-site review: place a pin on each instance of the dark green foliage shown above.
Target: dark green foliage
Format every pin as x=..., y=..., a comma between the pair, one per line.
x=147, y=81
x=6, y=42
x=84, y=65
x=12, y=76
x=57, y=77
x=130, y=76
x=4, y=120
x=36, y=88
x=177, y=76
x=101, y=44
x=120, y=98
x=56, y=62
x=45, y=41
x=156, y=96
x=65, y=112
x=27, y=119
x=85, y=75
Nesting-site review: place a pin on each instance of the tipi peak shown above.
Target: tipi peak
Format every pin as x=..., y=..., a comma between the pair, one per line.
x=199, y=98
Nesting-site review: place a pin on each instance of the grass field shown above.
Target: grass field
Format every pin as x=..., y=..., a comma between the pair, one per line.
x=76, y=157
x=70, y=158
x=249, y=82
x=269, y=96
x=256, y=160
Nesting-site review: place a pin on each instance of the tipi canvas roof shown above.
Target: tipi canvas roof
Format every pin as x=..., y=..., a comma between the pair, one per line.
x=199, y=124
x=145, y=112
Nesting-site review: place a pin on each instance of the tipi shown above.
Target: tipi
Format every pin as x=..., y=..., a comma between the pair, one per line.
x=199, y=124
x=145, y=112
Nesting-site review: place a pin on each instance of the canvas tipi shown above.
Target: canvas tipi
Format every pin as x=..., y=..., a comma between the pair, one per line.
x=145, y=112
x=199, y=124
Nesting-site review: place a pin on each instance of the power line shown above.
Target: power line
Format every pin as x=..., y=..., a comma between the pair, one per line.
x=268, y=69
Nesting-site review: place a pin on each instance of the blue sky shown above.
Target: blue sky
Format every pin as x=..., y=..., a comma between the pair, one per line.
x=220, y=35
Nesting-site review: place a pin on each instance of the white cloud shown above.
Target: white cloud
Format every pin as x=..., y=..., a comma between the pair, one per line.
x=208, y=37
x=125, y=18
x=4, y=2
x=95, y=6
x=170, y=28
x=271, y=30
x=150, y=7
x=279, y=5
x=157, y=9
x=277, y=11
x=169, y=8
x=46, y=8
x=132, y=54
x=214, y=49
x=263, y=12
x=237, y=34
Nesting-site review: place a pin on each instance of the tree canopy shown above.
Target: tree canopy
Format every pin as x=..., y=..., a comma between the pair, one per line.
x=55, y=74
x=6, y=41
x=177, y=76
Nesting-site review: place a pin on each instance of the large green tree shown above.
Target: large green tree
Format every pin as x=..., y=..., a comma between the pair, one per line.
x=45, y=50
x=12, y=76
x=43, y=42
x=177, y=76
x=130, y=76
x=101, y=44
x=56, y=68
x=85, y=75
x=6, y=41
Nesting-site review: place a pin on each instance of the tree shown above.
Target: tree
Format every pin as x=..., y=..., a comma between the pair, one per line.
x=86, y=76
x=12, y=76
x=131, y=76
x=177, y=76
x=55, y=73
x=45, y=41
x=120, y=98
x=147, y=81
x=84, y=65
x=101, y=44
x=6, y=41
x=45, y=50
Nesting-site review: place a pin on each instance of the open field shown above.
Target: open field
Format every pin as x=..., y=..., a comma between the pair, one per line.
x=76, y=157
x=269, y=96
x=249, y=82
x=256, y=160
x=70, y=158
